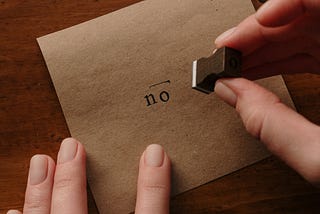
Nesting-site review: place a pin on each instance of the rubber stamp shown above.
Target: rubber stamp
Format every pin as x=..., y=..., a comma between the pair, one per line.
x=225, y=62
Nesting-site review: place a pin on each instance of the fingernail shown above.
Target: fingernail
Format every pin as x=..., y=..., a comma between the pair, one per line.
x=262, y=10
x=13, y=212
x=224, y=36
x=154, y=155
x=225, y=93
x=38, y=169
x=68, y=150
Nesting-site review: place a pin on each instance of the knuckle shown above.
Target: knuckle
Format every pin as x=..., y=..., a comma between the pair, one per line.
x=63, y=183
x=253, y=122
x=255, y=114
x=35, y=204
x=155, y=188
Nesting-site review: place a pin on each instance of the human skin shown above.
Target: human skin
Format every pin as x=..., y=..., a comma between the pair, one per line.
x=61, y=188
x=283, y=37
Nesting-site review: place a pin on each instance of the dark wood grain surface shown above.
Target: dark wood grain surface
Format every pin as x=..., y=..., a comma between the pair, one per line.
x=31, y=119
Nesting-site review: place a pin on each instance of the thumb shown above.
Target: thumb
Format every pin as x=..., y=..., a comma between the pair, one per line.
x=285, y=133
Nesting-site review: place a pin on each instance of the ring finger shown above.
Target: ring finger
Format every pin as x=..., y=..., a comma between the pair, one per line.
x=39, y=187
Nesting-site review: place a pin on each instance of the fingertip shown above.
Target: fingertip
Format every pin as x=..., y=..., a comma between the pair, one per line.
x=41, y=168
x=241, y=85
x=69, y=189
x=221, y=40
x=39, y=186
x=225, y=93
x=51, y=166
x=153, y=192
x=278, y=13
x=14, y=212
x=81, y=152
x=229, y=89
x=68, y=140
x=71, y=140
x=71, y=149
x=154, y=156
x=245, y=37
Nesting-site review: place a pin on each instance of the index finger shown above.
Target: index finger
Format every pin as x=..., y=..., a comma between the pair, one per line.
x=275, y=21
x=69, y=193
x=276, y=13
x=250, y=35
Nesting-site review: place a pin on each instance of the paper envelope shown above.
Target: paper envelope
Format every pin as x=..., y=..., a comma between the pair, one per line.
x=124, y=82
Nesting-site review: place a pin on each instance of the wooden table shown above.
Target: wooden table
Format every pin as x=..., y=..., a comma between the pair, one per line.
x=31, y=120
